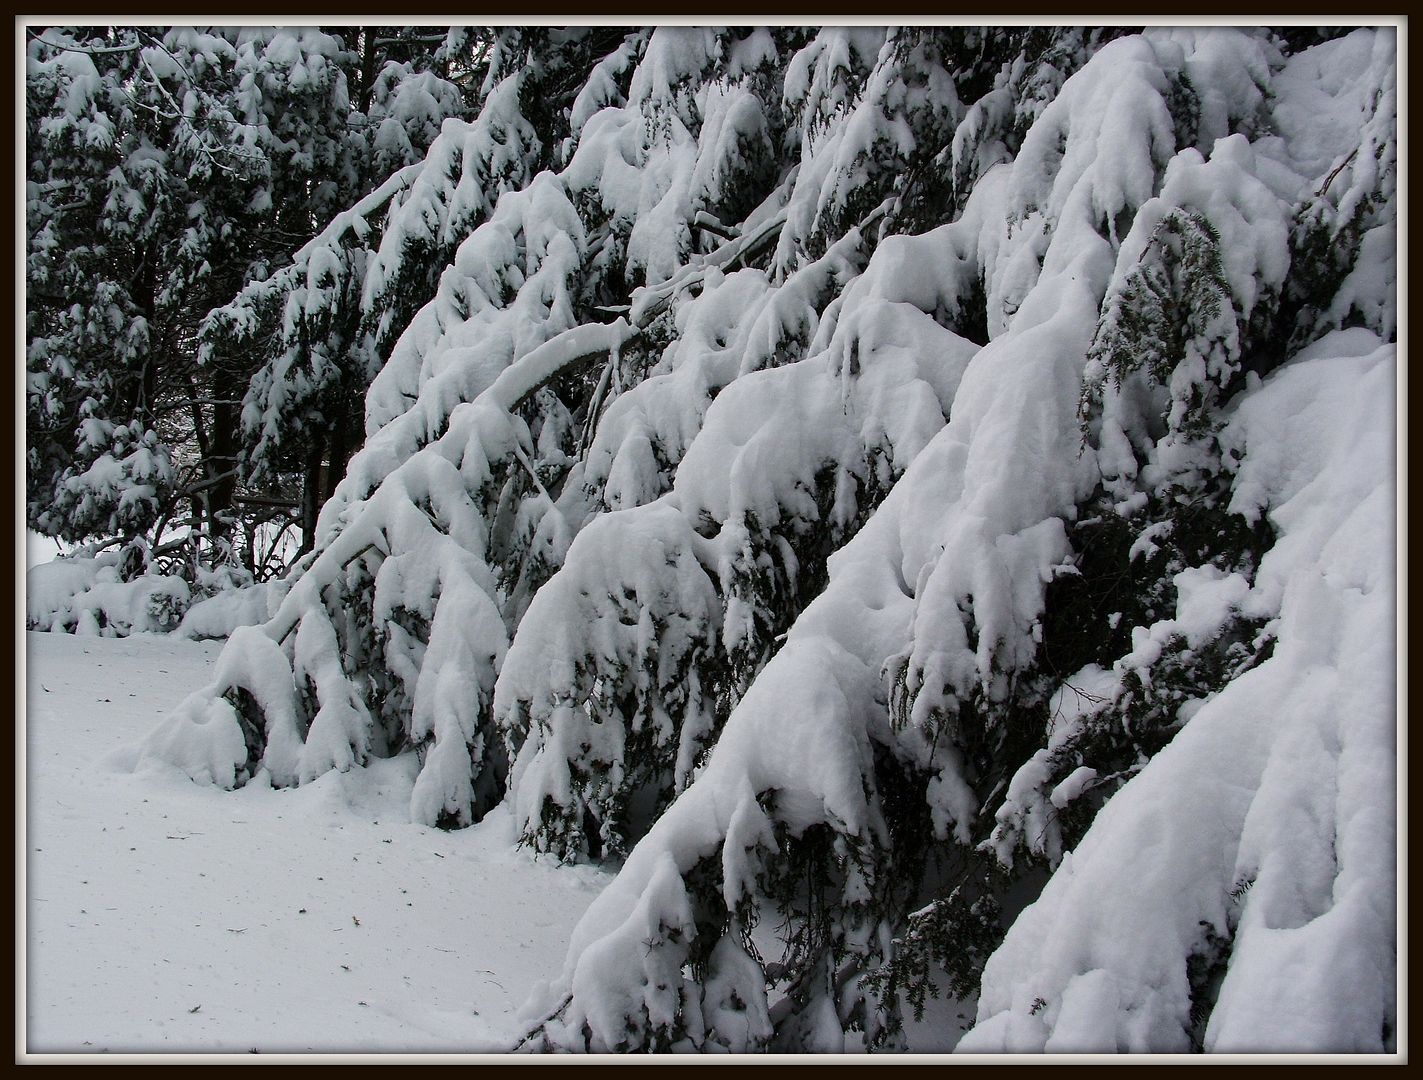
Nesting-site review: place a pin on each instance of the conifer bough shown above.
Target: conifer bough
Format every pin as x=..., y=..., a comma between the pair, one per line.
x=860, y=481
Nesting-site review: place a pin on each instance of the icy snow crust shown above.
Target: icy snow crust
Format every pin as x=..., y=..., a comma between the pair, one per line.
x=785, y=404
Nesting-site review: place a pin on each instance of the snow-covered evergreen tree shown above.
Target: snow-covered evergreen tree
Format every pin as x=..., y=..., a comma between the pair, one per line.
x=861, y=481
x=166, y=168
x=301, y=407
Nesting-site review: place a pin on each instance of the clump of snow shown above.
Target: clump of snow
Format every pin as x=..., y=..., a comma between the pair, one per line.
x=218, y=615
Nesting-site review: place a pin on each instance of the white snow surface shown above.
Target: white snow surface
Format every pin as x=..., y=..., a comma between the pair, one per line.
x=164, y=916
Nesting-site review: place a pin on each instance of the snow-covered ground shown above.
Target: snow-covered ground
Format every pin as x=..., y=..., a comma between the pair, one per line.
x=164, y=916
x=39, y=548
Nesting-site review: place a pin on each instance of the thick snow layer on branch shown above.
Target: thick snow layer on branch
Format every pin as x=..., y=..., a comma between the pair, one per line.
x=784, y=454
x=1269, y=820
x=608, y=655
x=938, y=601
x=977, y=512
x=467, y=168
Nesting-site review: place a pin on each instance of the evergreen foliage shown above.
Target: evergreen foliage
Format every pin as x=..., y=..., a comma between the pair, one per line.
x=820, y=473
x=166, y=168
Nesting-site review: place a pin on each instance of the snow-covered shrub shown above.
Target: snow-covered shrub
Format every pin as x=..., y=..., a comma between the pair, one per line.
x=89, y=596
x=222, y=607
x=121, y=591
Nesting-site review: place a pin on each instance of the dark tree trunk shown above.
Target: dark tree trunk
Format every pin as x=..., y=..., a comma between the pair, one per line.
x=344, y=439
x=311, y=494
x=369, y=68
x=228, y=387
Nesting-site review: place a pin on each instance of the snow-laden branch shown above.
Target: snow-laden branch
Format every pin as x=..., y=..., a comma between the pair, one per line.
x=567, y=352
